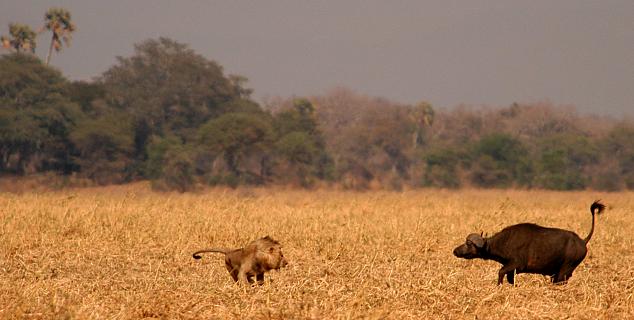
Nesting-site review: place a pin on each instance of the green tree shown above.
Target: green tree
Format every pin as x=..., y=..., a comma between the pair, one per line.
x=301, y=154
x=499, y=160
x=619, y=145
x=301, y=117
x=22, y=38
x=240, y=139
x=561, y=161
x=89, y=96
x=178, y=171
x=157, y=149
x=300, y=145
x=58, y=21
x=104, y=147
x=441, y=168
x=555, y=171
x=169, y=90
x=20, y=137
x=37, y=116
x=171, y=164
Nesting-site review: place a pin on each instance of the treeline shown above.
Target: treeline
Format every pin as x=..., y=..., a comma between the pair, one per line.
x=376, y=143
x=172, y=116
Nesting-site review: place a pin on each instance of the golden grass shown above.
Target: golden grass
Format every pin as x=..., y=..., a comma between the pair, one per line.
x=125, y=253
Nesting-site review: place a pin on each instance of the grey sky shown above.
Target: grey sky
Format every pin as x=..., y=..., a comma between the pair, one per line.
x=445, y=52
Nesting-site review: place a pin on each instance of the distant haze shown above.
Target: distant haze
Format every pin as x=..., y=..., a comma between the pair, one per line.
x=568, y=52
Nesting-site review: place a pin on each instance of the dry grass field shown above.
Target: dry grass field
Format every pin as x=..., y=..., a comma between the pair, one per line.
x=125, y=253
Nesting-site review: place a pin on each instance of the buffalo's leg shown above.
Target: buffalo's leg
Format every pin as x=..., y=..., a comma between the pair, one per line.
x=507, y=270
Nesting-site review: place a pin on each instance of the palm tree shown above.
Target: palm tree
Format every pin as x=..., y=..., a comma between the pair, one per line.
x=57, y=20
x=22, y=38
x=423, y=116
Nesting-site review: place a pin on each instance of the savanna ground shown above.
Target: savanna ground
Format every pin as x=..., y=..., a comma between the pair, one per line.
x=125, y=253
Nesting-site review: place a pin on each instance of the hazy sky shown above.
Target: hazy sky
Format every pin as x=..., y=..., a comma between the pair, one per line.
x=568, y=52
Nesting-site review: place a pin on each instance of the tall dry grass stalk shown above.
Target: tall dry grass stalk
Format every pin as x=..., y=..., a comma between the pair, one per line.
x=125, y=253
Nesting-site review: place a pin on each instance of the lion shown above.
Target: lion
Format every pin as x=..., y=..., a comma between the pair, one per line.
x=254, y=260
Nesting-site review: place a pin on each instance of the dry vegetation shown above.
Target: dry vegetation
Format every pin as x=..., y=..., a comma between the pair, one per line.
x=125, y=253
